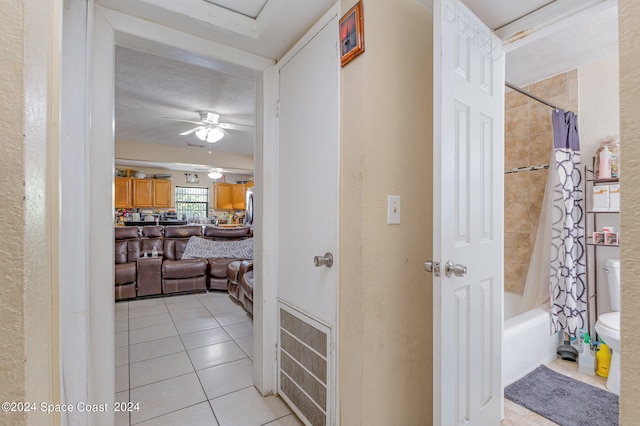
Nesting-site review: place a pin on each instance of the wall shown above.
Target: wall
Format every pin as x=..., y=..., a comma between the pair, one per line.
x=28, y=121
x=385, y=296
x=599, y=117
x=529, y=142
x=12, y=368
x=160, y=153
x=629, y=29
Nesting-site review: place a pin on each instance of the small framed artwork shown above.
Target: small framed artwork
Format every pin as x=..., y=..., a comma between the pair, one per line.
x=351, y=34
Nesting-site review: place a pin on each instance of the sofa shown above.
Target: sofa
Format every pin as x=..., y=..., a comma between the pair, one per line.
x=139, y=274
x=127, y=252
x=179, y=275
x=217, y=278
x=240, y=282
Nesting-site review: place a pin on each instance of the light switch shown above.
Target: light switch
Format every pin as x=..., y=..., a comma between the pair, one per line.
x=393, y=210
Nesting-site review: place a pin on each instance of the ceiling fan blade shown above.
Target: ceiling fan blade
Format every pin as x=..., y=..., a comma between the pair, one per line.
x=231, y=126
x=188, y=132
x=185, y=121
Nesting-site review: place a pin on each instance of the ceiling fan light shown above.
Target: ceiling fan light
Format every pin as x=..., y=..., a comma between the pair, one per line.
x=202, y=134
x=215, y=174
x=214, y=135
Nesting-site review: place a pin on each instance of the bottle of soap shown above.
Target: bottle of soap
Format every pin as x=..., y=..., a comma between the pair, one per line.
x=604, y=171
x=603, y=358
x=586, y=359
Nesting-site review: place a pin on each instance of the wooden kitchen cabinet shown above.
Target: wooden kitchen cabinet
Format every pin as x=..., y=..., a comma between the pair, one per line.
x=142, y=190
x=238, y=191
x=161, y=193
x=222, y=196
x=122, y=193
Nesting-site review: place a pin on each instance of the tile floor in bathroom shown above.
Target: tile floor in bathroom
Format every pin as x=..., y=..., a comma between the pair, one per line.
x=188, y=360
x=515, y=414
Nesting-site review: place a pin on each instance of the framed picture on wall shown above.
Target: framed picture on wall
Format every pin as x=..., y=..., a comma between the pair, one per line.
x=351, y=34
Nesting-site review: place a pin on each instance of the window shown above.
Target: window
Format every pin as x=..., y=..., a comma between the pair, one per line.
x=192, y=202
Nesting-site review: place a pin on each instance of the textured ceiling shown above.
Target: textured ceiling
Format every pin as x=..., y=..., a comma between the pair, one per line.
x=149, y=88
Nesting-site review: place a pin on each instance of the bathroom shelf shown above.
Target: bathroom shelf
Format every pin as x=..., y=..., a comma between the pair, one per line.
x=591, y=224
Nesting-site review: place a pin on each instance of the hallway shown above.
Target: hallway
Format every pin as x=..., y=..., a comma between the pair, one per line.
x=188, y=360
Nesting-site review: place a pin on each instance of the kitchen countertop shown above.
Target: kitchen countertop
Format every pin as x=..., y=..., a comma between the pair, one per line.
x=162, y=222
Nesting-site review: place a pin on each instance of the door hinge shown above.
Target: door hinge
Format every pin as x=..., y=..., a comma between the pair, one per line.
x=277, y=108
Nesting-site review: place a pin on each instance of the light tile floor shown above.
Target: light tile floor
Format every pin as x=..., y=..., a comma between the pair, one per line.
x=188, y=360
x=515, y=414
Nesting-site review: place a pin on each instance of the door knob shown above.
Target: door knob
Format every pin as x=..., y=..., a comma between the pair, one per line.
x=457, y=269
x=326, y=260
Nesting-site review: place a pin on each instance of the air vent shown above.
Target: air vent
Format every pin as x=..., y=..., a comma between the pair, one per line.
x=304, y=366
x=196, y=145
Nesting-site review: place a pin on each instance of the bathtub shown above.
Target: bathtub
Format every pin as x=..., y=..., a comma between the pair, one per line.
x=526, y=342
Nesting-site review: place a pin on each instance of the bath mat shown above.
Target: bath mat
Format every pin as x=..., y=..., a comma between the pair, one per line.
x=564, y=400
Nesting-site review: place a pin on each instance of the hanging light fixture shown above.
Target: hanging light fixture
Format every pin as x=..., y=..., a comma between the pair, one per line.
x=214, y=174
x=210, y=134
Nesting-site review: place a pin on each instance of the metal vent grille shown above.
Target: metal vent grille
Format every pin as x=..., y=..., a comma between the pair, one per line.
x=303, y=366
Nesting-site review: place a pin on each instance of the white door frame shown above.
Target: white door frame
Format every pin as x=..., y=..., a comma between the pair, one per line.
x=86, y=191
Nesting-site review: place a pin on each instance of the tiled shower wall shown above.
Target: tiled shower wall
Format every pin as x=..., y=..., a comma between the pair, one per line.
x=529, y=142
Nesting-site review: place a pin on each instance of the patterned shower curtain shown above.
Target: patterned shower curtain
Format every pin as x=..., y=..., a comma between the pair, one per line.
x=568, y=286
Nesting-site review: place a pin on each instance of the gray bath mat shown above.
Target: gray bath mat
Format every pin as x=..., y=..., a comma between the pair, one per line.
x=564, y=400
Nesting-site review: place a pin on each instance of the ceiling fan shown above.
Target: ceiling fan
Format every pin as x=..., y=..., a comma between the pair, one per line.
x=210, y=128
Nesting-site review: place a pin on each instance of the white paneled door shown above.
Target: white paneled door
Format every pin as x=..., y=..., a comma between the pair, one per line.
x=468, y=230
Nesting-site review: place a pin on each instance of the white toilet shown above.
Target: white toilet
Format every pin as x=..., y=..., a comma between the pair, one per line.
x=608, y=325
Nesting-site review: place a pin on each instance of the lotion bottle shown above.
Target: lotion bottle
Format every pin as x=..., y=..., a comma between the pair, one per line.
x=604, y=171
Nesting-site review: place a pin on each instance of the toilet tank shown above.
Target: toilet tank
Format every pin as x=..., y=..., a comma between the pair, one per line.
x=612, y=269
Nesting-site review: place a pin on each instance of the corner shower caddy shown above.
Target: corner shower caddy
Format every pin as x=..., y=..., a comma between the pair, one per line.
x=590, y=225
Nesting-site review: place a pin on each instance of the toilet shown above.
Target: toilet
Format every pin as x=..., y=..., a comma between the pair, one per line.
x=608, y=325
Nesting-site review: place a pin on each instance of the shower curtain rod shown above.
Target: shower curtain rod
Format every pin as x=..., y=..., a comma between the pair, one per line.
x=524, y=92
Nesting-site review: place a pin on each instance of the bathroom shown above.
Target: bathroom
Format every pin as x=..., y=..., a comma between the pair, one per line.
x=587, y=86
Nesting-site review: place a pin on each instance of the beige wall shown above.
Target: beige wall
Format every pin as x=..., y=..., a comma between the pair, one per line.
x=125, y=150
x=629, y=28
x=529, y=142
x=29, y=53
x=385, y=317
x=12, y=367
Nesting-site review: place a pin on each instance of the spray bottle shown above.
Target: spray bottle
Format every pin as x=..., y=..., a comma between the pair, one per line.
x=586, y=359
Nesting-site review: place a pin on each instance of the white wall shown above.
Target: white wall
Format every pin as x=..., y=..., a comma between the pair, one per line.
x=599, y=117
x=599, y=104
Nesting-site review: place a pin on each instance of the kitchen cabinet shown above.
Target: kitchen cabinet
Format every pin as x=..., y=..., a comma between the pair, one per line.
x=161, y=193
x=229, y=196
x=222, y=196
x=122, y=193
x=238, y=191
x=142, y=190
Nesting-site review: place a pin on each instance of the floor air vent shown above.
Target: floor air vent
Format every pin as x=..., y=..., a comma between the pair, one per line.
x=304, y=366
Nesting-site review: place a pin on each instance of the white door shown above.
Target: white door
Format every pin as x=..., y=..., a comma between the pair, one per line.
x=468, y=230
x=309, y=149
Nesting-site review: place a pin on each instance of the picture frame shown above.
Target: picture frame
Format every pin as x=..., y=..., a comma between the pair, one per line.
x=351, y=34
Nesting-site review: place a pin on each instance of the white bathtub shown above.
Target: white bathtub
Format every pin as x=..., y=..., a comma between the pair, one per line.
x=526, y=342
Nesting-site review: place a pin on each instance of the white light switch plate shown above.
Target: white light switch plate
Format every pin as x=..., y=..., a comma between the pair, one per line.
x=393, y=210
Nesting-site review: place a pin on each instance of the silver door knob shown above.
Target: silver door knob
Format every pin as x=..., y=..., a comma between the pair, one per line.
x=326, y=260
x=457, y=269
x=433, y=267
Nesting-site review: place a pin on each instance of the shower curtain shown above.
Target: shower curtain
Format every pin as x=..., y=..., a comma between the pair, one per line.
x=557, y=268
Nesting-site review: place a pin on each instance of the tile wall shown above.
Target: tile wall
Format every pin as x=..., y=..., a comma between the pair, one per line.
x=529, y=142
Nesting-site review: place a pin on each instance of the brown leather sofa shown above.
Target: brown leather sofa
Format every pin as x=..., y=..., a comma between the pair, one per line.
x=217, y=271
x=127, y=252
x=179, y=274
x=240, y=282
